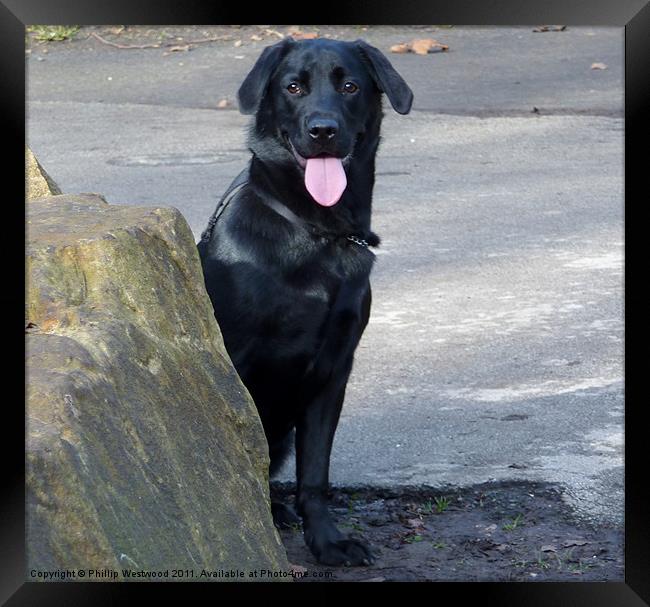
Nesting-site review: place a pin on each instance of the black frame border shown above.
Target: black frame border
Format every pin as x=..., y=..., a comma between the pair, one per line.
x=634, y=15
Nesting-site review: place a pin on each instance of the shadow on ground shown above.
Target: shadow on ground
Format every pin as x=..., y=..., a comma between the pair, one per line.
x=488, y=532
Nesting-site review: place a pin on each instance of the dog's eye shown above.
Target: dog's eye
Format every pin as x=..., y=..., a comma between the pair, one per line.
x=294, y=88
x=350, y=87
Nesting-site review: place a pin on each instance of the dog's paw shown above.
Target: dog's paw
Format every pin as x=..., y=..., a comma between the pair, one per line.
x=347, y=552
x=284, y=517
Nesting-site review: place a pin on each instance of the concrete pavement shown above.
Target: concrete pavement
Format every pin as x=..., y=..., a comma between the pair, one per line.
x=495, y=346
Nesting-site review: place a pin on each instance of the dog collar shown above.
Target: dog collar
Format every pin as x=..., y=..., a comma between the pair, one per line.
x=360, y=241
x=241, y=180
x=291, y=217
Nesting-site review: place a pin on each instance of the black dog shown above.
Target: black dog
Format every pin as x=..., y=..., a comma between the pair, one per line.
x=286, y=258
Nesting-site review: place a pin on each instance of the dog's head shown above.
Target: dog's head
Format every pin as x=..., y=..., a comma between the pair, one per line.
x=315, y=101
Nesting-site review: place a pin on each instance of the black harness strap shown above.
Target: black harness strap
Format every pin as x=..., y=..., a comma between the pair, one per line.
x=240, y=181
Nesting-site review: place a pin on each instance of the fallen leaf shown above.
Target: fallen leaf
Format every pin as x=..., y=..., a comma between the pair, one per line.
x=180, y=47
x=237, y=43
x=598, y=66
x=256, y=37
x=399, y=48
x=425, y=45
x=415, y=523
x=490, y=528
x=223, y=103
x=271, y=32
x=570, y=543
x=548, y=548
x=295, y=32
x=420, y=46
x=548, y=28
x=304, y=35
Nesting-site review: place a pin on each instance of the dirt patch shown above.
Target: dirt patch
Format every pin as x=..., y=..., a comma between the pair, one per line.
x=489, y=532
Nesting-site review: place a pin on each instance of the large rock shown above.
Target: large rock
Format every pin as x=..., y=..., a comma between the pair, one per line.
x=37, y=182
x=144, y=449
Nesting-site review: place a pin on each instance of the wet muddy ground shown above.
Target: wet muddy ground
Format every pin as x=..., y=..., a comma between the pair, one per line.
x=489, y=532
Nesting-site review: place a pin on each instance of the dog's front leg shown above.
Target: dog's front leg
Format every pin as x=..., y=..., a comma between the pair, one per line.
x=314, y=436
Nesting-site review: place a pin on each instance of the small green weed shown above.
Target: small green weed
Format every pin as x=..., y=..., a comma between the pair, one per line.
x=514, y=523
x=352, y=502
x=413, y=538
x=442, y=503
x=52, y=33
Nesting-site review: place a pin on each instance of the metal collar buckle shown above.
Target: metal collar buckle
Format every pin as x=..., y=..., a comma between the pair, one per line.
x=360, y=241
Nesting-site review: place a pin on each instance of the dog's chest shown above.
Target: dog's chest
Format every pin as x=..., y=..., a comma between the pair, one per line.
x=331, y=283
x=316, y=302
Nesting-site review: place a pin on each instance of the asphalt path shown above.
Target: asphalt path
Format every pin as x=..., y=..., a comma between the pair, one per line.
x=495, y=345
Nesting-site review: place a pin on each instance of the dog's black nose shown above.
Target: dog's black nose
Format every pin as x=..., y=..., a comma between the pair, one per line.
x=322, y=129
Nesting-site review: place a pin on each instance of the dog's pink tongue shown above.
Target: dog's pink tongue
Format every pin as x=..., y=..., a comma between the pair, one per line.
x=325, y=180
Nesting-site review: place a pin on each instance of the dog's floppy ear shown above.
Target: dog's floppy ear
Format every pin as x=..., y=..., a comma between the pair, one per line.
x=254, y=86
x=386, y=78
